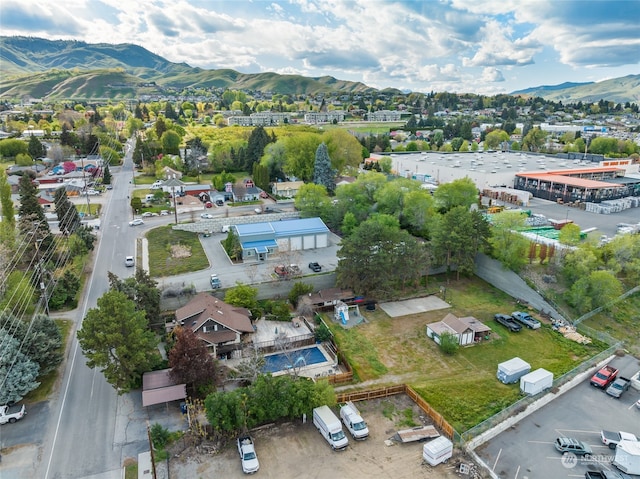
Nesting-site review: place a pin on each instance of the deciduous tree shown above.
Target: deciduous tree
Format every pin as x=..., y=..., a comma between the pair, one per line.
x=190, y=362
x=460, y=192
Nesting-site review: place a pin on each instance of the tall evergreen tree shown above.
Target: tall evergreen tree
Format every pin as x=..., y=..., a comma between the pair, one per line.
x=106, y=175
x=116, y=338
x=68, y=217
x=33, y=224
x=258, y=140
x=323, y=173
x=261, y=176
x=36, y=149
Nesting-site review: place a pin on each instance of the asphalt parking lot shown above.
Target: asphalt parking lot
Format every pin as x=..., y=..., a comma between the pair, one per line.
x=526, y=450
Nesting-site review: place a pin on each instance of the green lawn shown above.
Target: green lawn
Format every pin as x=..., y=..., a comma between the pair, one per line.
x=162, y=258
x=47, y=382
x=462, y=387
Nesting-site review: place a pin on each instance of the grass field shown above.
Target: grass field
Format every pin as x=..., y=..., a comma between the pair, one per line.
x=163, y=260
x=462, y=387
x=47, y=382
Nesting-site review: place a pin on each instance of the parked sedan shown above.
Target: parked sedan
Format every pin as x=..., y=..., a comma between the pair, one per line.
x=526, y=319
x=136, y=222
x=315, y=267
x=148, y=214
x=508, y=322
x=206, y=216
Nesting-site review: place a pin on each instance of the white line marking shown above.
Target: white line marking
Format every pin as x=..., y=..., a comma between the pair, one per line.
x=497, y=458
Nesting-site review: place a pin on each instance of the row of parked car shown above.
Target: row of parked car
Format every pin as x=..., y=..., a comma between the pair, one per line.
x=516, y=320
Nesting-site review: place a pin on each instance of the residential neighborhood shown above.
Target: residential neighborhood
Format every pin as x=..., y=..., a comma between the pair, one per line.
x=203, y=271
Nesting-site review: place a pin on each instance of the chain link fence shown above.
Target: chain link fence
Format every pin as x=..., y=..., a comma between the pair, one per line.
x=521, y=405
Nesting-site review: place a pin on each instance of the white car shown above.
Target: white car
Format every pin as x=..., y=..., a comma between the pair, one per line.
x=129, y=261
x=206, y=216
x=164, y=213
x=92, y=193
x=157, y=185
x=148, y=214
x=136, y=222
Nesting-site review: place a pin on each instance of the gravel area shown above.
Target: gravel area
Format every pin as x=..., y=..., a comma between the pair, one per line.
x=295, y=450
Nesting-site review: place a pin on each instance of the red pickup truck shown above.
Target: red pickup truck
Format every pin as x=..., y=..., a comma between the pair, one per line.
x=605, y=376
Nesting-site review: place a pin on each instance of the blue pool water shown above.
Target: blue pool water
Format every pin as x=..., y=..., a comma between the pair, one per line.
x=300, y=357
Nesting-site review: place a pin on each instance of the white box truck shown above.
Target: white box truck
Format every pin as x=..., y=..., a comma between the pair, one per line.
x=511, y=371
x=353, y=421
x=627, y=457
x=437, y=451
x=536, y=381
x=330, y=427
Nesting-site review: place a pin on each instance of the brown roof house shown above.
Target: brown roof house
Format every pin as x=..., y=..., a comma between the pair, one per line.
x=220, y=325
x=468, y=330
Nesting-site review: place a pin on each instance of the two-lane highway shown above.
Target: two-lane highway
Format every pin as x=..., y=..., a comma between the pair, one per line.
x=87, y=437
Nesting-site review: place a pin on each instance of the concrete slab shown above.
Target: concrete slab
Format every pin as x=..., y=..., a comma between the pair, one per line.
x=413, y=306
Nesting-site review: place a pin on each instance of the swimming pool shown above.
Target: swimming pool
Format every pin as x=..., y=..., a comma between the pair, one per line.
x=299, y=358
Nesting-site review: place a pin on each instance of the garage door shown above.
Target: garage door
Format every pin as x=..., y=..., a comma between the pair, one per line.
x=322, y=241
x=283, y=244
x=309, y=242
x=296, y=243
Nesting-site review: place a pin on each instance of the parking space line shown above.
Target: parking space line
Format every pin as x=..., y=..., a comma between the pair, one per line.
x=517, y=472
x=541, y=442
x=579, y=430
x=497, y=458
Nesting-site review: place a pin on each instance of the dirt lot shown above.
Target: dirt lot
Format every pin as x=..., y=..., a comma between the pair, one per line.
x=296, y=450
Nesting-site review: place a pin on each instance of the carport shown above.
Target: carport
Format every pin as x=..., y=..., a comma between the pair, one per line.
x=158, y=387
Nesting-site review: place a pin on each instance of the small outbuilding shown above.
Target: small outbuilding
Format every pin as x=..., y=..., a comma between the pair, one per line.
x=468, y=330
x=510, y=371
x=536, y=381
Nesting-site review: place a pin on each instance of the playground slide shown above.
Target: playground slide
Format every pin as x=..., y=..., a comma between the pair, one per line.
x=344, y=317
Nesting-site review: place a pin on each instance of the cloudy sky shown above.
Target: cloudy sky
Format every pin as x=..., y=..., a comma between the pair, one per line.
x=479, y=46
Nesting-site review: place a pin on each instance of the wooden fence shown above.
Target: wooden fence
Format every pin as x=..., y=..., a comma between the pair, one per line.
x=435, y=416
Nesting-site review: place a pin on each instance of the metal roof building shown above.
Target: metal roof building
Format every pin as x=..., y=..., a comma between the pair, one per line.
x=259, y=240
x=578, y=185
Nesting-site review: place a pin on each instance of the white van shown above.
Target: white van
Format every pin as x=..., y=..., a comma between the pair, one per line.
x=329, y=426
x=354, y=422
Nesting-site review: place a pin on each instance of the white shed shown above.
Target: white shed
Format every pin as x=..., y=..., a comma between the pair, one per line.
x=536, y=381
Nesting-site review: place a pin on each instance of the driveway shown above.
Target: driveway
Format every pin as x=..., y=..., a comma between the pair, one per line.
x=526, y=450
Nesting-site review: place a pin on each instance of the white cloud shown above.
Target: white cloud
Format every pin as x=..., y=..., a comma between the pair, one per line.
x=421, y=45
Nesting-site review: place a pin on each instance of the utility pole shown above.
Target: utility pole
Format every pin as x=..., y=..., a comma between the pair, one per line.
x=41, y=277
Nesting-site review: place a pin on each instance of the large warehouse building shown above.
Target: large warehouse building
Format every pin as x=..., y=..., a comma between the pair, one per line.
x=259, y=240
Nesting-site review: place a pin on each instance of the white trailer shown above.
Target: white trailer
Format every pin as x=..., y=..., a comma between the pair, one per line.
x=627, y=457
x=536, y=381
x=437, y=451
x=510, y=371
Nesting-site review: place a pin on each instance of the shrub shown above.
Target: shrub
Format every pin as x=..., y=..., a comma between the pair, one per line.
x=449, y=343
x=159, y=436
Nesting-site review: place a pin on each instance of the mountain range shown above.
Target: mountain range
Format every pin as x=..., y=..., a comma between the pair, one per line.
x=64, y=69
